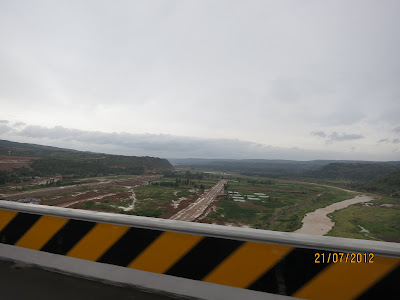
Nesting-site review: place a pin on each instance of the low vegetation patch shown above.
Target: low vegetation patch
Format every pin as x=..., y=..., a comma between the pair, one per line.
x=348, y=220
x=292, y=221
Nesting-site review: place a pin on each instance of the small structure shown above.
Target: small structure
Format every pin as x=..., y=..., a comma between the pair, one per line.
x=259, y=194
x=29, y=200
x=239, y=200
x=252, y=198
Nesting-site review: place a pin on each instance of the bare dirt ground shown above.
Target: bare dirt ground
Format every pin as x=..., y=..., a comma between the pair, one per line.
x=177, y=205
x=86, y=199
x=198, y=208
x=69, y=196
x=132, y=197
x=40, y=193
x=318, y=223
x=8, y=162
x=102, y=195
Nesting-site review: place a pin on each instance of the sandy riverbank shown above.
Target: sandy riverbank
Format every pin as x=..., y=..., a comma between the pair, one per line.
x=318, y=223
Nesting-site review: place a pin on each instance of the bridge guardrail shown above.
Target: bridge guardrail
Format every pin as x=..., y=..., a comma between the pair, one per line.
x=297, y=265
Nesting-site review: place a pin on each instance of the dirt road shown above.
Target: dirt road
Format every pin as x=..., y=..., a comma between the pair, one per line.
x=84, y=200
x=74, y=188
x=53, y=190
x=198, y=207
x=330, y=186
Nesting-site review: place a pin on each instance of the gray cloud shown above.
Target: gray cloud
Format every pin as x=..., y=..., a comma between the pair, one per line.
x=3, y=121
x=319, y=134
x=386, y=141
x=155, y=144
x=268, y=72
x=339, y=137
x=5, y=129
x=336, y=137
x=397, y=129
x=161, y=145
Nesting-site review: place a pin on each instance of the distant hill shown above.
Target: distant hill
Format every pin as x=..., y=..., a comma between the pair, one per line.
x=386, y=185
x=356, y=171
x=323, y=169
x=389, y=184
x=249, y=165
x=25, y=149
x=49, y=161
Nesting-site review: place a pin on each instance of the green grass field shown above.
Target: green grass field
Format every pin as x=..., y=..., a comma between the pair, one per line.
x=284, y=210
x=292, y=221
x=383, y=223
x=154, y=200
x=288, y=202
x=387, y=200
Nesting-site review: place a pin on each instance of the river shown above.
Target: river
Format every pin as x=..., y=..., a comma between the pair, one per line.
x=318, y=223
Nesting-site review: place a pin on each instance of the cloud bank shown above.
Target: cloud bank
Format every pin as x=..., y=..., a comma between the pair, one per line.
x=166, y=146
x=203, y=78
x=337, y=137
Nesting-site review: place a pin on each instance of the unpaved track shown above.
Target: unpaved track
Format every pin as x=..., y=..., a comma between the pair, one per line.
x=53, y=191
x=318, y=223
x=84, y=200
x=134, y=199
x=197, y=208
x=330, y=186
x=75, y=188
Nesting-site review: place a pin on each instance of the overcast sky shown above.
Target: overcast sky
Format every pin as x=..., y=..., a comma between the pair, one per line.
x=209, y=79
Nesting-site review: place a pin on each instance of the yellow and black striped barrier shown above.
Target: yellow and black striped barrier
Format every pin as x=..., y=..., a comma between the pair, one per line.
x=253, y=264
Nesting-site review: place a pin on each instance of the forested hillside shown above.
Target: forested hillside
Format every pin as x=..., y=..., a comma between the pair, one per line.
x=321, y=169
x=387, y=185
x=51, y=161
x=355, y=171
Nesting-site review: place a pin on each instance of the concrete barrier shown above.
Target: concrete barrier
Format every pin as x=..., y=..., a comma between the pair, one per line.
x=198, y=260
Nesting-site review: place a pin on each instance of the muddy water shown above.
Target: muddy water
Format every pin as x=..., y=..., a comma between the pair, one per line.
x=318, y=223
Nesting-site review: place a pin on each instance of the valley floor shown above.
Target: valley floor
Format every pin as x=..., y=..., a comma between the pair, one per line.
x=249, y=201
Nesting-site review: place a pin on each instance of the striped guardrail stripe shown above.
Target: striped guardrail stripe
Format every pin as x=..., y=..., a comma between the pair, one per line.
x=41, y=232
x=251, y=260
x=97, y=241
x=257, y=266
x=353, y=279
x=165, y=252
